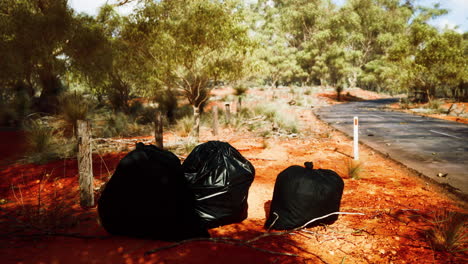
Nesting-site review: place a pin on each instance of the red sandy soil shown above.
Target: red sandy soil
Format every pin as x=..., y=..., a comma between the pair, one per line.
x=42, y=222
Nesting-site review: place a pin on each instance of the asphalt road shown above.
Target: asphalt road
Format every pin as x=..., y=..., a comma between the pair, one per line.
x=427, y=145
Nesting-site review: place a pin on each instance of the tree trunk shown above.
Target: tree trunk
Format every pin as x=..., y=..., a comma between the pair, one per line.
x=158, y=130
x=353, y=80
x=215, y=120
x=51, y=88
x=338, y=89
x=85, y=164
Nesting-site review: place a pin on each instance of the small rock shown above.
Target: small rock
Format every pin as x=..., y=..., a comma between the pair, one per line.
x=440, y=174
x=382, y=251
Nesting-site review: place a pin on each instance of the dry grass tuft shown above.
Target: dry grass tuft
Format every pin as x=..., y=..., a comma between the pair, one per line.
x=449, y=231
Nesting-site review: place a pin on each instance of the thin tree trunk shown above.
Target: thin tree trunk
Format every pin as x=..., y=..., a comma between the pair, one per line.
x=158, y=129
x=85, y=164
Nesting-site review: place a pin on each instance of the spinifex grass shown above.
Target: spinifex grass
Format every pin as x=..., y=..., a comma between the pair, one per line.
x=448, y=231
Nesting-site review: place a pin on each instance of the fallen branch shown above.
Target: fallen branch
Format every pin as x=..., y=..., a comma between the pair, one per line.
x=222, y=240
x=298, y=228
x=248, y=243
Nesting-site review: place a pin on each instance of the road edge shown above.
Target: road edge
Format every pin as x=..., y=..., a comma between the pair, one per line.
x=443, y=188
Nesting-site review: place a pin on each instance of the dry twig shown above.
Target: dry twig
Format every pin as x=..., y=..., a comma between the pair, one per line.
x=249, y=243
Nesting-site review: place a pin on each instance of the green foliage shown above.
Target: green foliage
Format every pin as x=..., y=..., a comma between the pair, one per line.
x=45, y=142
x=119, y=124
x=278, y=118
x=240, y=90
x=435, y=105
x=40, y=41
x=15, y=105
x=39, y=137
x=168, y=49
x=191, y=43
x=74, y=107
x=405, y=103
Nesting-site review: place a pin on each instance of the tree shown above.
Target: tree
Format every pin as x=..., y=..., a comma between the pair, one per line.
x=39, y=41
x=193, y=43
x=429, y=62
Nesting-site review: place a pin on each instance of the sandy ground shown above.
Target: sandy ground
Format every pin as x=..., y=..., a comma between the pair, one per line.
x=42, y=222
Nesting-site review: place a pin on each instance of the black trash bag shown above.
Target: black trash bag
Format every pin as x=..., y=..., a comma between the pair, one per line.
x=220, y=178
x=148, y=197
x=302, y=194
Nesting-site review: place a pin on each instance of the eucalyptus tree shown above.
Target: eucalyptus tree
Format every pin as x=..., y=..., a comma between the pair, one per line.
x=191, y=44
x=371, y=28
x=39, y=41
x=275, y=55
x=428, y=61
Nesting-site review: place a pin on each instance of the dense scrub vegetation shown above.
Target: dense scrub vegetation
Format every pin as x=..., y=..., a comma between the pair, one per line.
x=168, y=51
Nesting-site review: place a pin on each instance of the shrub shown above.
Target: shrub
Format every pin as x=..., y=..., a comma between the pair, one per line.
x=147, y=115
x=240, y=90
x=45, y=142
x=283, y=121
x=405, y=103
x=435, y=105
x=121, y=125
x=448, y=232
x=15, y=105
x=73, y=107
x=39, y=142
x=136, y=108
x=184, y=126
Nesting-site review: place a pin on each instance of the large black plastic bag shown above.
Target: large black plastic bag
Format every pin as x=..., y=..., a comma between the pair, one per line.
x=148, y=197
x=302, y=194
x=220, y=178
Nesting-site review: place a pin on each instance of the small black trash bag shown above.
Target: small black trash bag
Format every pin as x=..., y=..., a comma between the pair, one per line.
x=148, y=197
x=220, y=178
x=302, y=194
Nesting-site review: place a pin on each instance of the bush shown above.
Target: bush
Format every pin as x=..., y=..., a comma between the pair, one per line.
x=146, y=116
x=14, y=107
x=405, y=103
x=39, y=136
x=73, y=107
x=121, y=125
x=240, y=90
x=46, y=143
x=136, y=108
x=435, y=105
x=184, y=126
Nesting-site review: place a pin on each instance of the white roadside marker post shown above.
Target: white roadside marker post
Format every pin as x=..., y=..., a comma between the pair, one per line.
x=356, y=138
